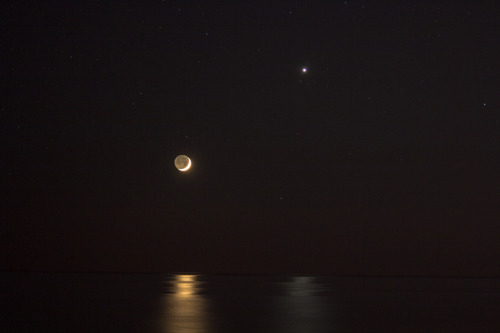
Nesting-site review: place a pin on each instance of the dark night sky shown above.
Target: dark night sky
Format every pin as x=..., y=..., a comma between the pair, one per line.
x=383, y=158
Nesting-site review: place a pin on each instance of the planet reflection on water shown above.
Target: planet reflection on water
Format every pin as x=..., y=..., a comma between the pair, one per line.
x=301, y=308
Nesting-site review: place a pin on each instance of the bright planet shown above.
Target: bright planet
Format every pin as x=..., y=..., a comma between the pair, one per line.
x=182, y=163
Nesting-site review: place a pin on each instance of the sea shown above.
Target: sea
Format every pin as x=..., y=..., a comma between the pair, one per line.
x=189, y=303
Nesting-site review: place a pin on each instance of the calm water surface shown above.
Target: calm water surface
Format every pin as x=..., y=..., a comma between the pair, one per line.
x=67, y=302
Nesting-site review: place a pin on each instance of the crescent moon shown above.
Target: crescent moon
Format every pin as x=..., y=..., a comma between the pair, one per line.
x=187, y=167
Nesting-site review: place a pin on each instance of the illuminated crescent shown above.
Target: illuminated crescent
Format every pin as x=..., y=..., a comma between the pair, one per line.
x=187, y=167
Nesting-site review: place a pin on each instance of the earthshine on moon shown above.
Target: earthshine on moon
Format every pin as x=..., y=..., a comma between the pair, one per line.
x=182, y=163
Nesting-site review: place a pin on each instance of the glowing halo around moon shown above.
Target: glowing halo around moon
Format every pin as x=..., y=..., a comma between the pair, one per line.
x=182, y=163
